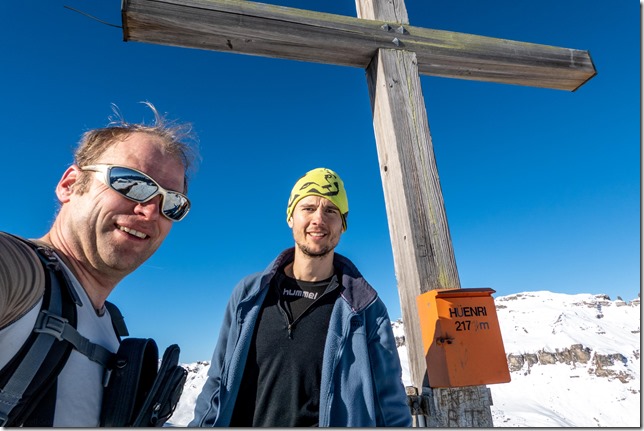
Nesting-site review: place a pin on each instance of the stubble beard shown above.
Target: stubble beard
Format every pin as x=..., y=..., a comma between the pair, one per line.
x=122, y=259
x=315, y=254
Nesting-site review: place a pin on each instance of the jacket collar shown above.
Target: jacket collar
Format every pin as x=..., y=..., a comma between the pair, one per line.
x=354, y=288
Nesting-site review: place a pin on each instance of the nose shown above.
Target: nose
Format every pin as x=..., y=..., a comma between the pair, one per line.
x=151, y=209
x=318, y=215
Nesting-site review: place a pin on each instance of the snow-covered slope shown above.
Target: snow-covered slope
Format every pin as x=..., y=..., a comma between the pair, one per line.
x=574, y=361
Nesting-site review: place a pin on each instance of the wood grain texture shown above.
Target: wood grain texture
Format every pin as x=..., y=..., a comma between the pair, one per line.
x=253, y=28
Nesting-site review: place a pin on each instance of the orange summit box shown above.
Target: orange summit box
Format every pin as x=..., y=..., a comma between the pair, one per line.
x=462, y=338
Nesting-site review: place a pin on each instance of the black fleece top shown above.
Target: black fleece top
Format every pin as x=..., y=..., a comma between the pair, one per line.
x=281, y=382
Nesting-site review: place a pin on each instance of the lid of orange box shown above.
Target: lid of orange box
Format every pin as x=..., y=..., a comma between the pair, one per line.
x=469, y=292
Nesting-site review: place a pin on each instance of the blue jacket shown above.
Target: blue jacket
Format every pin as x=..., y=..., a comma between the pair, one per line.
x=361, y=374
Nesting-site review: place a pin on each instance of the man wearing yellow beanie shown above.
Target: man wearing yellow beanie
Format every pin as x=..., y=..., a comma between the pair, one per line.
x=306, y=342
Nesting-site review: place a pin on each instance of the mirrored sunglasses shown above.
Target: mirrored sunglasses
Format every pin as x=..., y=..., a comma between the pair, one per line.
x=138, y=187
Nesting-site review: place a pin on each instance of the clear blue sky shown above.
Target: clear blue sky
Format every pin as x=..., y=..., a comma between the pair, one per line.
x=541, y=187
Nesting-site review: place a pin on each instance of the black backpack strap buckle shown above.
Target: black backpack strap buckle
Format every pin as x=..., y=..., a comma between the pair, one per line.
x=51, y=324
x=59, y=328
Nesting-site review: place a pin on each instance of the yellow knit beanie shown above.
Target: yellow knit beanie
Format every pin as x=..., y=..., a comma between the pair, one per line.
x=320, y=182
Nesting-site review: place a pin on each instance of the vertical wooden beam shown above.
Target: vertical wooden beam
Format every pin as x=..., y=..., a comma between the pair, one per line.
x=421, y=242
x=420, y=238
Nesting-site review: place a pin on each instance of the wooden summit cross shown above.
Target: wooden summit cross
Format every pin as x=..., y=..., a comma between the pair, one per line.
x=393, y=54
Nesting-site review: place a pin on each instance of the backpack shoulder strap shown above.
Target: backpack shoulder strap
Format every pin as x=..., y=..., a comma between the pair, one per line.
x=118, y=321
x=32, y=371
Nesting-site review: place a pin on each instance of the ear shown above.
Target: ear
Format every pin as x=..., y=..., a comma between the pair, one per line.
x=65, y=187
x=290, y=222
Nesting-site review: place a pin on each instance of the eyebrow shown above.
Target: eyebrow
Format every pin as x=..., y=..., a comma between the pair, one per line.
x=314, y=205
x=324, y=207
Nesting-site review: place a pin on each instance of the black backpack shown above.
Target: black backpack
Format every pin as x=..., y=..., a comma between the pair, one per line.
x=138, y=392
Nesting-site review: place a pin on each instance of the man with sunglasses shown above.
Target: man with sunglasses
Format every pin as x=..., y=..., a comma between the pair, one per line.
x=118, y=202
x=307, y=342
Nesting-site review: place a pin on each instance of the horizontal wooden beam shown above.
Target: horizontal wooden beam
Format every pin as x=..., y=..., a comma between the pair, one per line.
x=248, y=27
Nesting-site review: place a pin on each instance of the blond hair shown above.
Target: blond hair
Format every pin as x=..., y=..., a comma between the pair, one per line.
x=175, y=139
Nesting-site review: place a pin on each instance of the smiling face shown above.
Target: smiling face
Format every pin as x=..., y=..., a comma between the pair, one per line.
x=104, y=230
x=317, y=226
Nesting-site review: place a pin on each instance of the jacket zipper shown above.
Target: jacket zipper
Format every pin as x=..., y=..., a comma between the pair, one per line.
x=291, y=325
x=336, y=360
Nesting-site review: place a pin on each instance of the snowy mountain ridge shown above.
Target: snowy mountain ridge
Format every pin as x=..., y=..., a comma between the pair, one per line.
x=574, y=361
